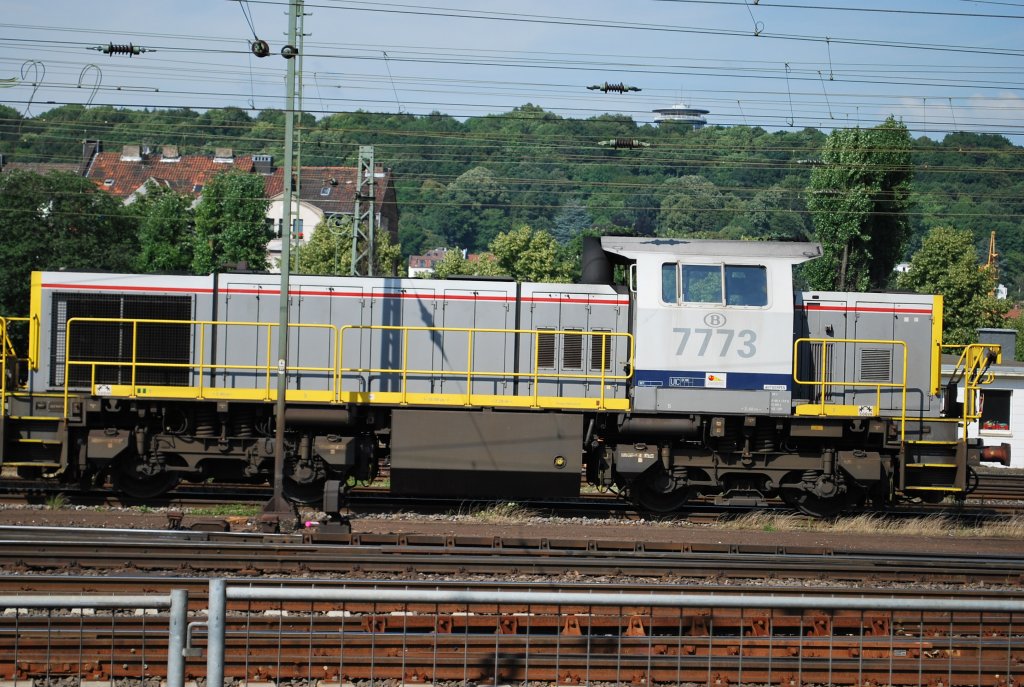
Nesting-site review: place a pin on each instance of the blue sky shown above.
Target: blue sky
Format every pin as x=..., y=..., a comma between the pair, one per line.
x=806, y=67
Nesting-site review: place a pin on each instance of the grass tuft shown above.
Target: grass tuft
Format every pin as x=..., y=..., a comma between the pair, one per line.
x=504, y=513
x=225, y=509
x=56, y=501
x=928, y=526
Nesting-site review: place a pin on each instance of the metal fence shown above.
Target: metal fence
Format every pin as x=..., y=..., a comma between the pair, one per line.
x=396, y=637
x=93, y=640
x=316, y=636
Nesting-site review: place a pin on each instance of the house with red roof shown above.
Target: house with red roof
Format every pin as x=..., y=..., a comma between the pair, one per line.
x=322, y=192
x=125, y=174
x=326, y=192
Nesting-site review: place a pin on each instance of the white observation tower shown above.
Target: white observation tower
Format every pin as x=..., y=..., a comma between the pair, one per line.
x=683, y=114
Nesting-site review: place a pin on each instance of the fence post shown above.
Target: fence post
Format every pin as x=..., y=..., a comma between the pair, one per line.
x=176, y=638
x=215, y=634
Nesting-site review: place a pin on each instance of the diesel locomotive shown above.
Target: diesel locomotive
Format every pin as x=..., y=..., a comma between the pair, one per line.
x=701, y=374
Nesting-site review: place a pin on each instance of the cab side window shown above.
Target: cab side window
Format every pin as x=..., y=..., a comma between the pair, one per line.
x=669, y=283
x=746, y=285
x=702, y=283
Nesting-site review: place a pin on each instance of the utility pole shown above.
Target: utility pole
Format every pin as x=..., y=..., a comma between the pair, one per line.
x=278, y=506
x=297, y=200
x=364, y=216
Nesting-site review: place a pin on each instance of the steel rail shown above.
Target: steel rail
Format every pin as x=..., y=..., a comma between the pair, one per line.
x=57, y=548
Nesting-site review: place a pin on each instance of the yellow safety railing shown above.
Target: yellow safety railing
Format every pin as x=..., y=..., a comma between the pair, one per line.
x=8, y=351
x=973, y=367
x=468, y=374
x=824, y=383
x=201, y=366
x=201, y=331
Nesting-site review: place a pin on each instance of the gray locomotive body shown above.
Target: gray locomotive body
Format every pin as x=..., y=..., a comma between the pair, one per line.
x=703, y=374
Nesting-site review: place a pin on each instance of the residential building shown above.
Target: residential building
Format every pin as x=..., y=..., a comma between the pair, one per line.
x=423, y=265
x=325, y=192
x=126, y=174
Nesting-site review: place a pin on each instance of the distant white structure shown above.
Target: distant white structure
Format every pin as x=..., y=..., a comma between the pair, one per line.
x=682, y=113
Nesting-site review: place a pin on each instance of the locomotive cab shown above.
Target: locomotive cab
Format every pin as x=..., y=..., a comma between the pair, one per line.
x=713, y=323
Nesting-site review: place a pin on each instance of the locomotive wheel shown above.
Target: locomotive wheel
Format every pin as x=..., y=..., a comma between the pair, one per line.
x=306, y=493
x=304, y=480
x=659, y=493
x=130, y=482
x=814, y=505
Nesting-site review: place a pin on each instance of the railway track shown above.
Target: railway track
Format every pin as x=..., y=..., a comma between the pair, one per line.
x=319, y=553
x=991, y=501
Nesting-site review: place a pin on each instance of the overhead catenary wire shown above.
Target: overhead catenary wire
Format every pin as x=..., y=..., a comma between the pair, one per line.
x=914, y=80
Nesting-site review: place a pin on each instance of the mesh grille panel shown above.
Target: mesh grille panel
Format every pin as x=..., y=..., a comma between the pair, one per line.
x=112, y=342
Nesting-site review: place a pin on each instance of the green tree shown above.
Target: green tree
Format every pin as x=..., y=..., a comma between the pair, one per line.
x=859, y=198
x=772, y=215
x=478, y=208
x=231, y=223
x=527, y=254
x=452, y=264
x=329, y=250
x=388, y=256
x=58, y=221
x=691, y=205
x=165, y=230
x=1018, y=324
x=571, y=220
x=947, y=264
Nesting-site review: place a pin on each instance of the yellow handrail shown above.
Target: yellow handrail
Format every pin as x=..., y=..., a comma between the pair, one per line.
x=825, y=383
x=471, y=332
x=3, y=365
x=7, y=350
x=201, y=367
x=335, y=369
x=973, y=366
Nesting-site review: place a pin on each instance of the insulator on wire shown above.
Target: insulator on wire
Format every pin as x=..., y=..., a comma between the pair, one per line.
x=613, y=88
x=624, y=143
x=121, y=49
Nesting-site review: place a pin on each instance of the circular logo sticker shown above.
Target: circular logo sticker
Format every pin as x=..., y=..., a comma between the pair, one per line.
x=715, y=319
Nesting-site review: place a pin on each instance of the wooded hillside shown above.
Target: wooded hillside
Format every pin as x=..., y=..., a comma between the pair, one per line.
x=462, y=182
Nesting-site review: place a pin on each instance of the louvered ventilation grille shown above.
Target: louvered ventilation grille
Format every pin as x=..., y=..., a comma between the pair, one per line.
x=600, y=345
x=545, y=350
x=875, y=365
x=572, y=351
